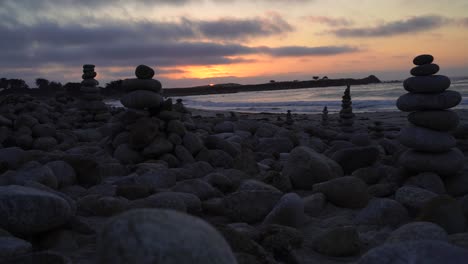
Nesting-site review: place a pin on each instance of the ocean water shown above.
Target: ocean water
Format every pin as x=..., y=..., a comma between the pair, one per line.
x=365, y=98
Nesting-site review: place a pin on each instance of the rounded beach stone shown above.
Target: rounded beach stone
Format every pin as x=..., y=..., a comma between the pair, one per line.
x=27, y=211
x=11, y=246
x=289, y=211
x=443, y=164
x=141, y=99
x=413, y=198
x=428, y=181
x=423, y=59
x=88, y=75
x=129, y=85
x=443, y=120
x=305, y=167
x=144, y=72
x=89, y=66
x=347, y=191
x=427, y=84
x=445, y=211
x=89, y=82
x=89, y=89
x=382, y=212
x=440, y=101
x=338, y=242
x=418, y=231
x=426, y=251
x=161, y=236
x=351, y=159
x=427, y=140
x=425, y=70
x=250, y=206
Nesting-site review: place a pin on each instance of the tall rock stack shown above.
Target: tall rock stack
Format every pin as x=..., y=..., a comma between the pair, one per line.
x=142, y=93
x=150, y=128
x=325, y=116
x=346, y=112
x=432, y=147
x=94, y=110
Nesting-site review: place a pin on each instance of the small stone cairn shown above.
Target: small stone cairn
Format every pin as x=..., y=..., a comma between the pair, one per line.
x=376, y=130
x=149, y=128
x=325, y=116
x=93, y=109
x=346, y=112
x=432, y=147
x=289, y=118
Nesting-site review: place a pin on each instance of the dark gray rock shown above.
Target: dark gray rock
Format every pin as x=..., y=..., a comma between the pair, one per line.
x=443, y=164
x=289, y=211
x=153, y=236
x=428, y=181
x=446, y=212
x=426, y=140
x=347, y=191
x=416, y=231
x=427, y=252
x=413, y=198
x=355, y=158
x=199, y=188
x=250, y=206
x=443, y=120
x=425, y=70
x=305, y=167
x=144, y=72
x=12, y=246
x=427, y=84
x=141, y=99
x=338, y=242
x=439, y=101
x=382, y=212
x=423, y=59
x=26, y=210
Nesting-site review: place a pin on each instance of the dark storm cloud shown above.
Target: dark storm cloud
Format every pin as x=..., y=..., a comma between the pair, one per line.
x=411, y=25
x=329, y=21
x=299, y=51
x=229, y=28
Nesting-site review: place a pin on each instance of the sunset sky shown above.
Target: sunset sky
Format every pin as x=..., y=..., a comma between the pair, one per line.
x=195, y=42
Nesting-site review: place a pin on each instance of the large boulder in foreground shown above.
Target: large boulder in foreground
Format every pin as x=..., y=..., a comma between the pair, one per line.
x=25, y=210
x=161, y=236
x=427, y=252
x=305, y=167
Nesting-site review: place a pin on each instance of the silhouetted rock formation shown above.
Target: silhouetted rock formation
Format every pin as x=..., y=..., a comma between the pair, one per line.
x=432, y=147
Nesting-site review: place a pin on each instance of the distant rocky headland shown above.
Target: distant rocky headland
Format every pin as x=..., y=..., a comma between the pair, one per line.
x=114, y=88
x=272, y=85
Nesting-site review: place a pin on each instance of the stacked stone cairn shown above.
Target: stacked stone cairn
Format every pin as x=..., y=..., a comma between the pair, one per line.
x=376, y=130
x=346, y=112
x=93, y=110
x=150, y=128
x=431, y=145
x=289, y=118
x=325, y=116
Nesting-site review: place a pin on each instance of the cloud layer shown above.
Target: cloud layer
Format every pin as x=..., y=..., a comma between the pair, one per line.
x=411, y=25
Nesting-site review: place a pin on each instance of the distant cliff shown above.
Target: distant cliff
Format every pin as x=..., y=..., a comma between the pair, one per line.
x=230, y=88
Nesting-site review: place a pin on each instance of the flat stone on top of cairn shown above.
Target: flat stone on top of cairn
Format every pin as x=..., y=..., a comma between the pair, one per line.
x=142, y=92
x=432, y=147
x=346, y=112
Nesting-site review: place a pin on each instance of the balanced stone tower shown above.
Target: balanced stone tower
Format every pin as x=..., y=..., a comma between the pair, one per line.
x=93, y=109
x=289, y=118
x=432, y=147
x=346, y=112
x=377, y=131
x=325, y=116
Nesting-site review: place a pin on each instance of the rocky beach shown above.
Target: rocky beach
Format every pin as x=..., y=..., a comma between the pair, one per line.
x=156, y=182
